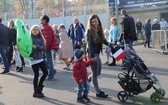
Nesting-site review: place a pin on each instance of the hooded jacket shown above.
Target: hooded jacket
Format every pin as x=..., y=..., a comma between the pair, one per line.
x=50, y=38
x=80, y=70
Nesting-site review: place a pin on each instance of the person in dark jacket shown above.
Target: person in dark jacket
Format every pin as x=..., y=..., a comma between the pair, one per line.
x=76, y=33
x=4, y=45
x=12, y=44
x=139, y=28
x=80, y=75
x=51, y=43
x=37, y=62
x=12, y=40
x=156, y=25
x=148, y=32
x=129, y=32
x=95, y=40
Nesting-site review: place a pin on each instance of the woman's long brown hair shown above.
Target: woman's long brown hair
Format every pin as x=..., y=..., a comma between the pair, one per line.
x=91, y=28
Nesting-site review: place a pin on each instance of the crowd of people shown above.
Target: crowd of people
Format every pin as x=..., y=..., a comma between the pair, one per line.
x=148, y=27
x=78, y=47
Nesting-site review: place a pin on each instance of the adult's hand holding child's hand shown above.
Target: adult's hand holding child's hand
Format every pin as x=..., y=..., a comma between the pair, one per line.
x=93, y=59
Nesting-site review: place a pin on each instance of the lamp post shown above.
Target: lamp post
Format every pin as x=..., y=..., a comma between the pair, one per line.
x=32, y=7
x=116, y=8
x=63, y=6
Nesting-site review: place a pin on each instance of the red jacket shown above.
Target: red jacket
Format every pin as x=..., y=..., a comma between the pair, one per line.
x=80, y=70
x=50, y=38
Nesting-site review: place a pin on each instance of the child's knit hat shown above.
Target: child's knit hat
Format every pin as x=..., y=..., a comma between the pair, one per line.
x=78, y=53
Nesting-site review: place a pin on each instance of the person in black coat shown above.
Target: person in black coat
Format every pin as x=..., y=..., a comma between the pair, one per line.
x=4, y=45
x=148, y=32
x=12, y=40
x=12, y=43
x=129, y=32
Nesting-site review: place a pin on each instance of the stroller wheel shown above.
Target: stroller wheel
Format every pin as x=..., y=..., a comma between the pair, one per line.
x=155, y=97
x=122, y=96
x=162, y=94
x=131, y=94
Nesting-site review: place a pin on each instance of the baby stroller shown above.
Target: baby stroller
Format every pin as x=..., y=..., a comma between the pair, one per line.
x=138, y=78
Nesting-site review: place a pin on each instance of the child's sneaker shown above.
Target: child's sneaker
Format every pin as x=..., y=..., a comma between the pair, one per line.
x=67, y=68
x=86, y=98
x=80, y=100
x=106, y=63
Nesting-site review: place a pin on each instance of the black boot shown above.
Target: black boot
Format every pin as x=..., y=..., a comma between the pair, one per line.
x=149, y=45
x=37, y=94
x=40, y=89
x=145, y=44
x=86, y=98
x=102, y=94
x=113, y=63
x=80, y=100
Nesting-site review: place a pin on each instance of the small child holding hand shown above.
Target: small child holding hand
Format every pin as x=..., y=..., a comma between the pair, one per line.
x=80, y=75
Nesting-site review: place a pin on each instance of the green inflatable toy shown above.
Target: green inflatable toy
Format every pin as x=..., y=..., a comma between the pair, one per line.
x=23, y=39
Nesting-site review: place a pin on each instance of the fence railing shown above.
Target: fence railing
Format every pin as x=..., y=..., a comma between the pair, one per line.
x=160, y=40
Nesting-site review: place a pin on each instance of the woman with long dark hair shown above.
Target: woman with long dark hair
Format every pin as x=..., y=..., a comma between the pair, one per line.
x=95, y=40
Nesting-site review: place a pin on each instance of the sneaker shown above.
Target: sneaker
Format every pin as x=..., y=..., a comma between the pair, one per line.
x=67, y=68
x=86, y=98
x=50, y=78
x=20, y=69
x=102, y=94
x=17, y=68
x=106, y=63
x=80, y=100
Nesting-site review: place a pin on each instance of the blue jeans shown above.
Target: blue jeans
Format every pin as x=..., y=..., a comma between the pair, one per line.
x=129, y=42
x=54, y=52
x=3, y=52
x=83, y=89
x=50, y=66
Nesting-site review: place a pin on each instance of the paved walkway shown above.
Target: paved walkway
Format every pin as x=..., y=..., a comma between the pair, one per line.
x=17, y=89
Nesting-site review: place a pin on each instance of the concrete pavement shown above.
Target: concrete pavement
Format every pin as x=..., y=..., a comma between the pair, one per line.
x=17, y=89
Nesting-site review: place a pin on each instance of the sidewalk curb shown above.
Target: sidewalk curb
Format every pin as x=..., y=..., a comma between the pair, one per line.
x=135, y=44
